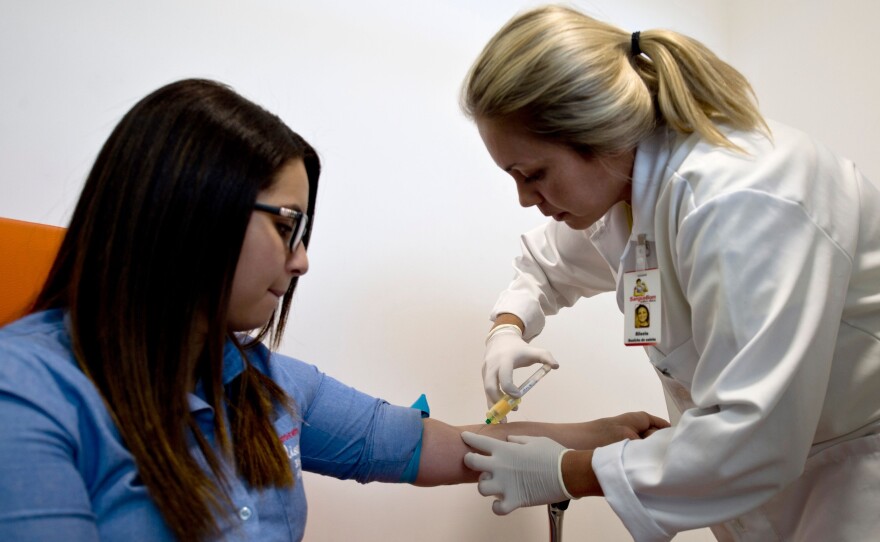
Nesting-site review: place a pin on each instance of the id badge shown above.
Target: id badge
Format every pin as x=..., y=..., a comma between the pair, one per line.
x=642, y=300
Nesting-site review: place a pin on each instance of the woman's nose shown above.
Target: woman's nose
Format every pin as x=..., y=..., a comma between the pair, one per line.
x=528, y=197
x=298, y=261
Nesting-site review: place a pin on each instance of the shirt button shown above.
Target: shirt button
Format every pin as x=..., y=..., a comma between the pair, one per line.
x=244, y=513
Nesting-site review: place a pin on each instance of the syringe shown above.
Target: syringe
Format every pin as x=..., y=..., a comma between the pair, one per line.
x=504, y=405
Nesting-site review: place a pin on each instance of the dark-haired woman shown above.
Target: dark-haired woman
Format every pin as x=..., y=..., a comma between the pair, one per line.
x=138, y=399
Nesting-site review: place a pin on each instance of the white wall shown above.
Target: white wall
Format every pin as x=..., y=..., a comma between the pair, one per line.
x=416, y=227
x=813, y=65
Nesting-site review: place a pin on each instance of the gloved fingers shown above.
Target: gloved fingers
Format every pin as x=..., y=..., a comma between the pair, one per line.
x=478, y=462
x=522, y=439
x=490, y=487
x=503, y=507
x=543, y=442
x=532, y=356
x=493, y=394
x=490, y=385
x=505, y=381
x=539, y=355
x=549, y=360
x=480, y=442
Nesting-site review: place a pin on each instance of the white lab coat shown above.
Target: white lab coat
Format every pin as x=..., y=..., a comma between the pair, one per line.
x=770, y=354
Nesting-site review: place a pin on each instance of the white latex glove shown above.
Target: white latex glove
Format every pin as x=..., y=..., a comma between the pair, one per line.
x=524, y=471
x=505, y=351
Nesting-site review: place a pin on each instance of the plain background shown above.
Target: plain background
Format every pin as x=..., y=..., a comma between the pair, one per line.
x=416, y=227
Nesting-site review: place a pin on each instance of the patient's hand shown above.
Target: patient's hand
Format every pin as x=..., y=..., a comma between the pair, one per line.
x=631, y=425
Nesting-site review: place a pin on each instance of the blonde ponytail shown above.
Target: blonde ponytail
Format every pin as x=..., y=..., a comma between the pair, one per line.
x=695, y=90
x=575, y=79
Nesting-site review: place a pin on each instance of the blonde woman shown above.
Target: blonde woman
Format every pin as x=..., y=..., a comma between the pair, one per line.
x=651, y=158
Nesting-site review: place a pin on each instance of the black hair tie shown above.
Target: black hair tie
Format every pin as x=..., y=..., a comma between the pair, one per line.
x=635, y=50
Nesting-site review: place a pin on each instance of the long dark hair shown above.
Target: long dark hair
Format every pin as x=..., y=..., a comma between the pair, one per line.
x=146, y=269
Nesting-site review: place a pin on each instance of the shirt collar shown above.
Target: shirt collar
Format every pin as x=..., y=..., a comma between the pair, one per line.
x=233, y=365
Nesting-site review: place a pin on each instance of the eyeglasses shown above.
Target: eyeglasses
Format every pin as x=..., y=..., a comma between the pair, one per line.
x=293, y=233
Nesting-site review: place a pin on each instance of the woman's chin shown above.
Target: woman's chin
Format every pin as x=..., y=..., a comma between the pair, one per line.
x=577, y=222
x=250, y=323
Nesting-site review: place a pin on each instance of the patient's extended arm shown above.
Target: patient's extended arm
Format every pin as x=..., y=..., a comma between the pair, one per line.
x=443, y=450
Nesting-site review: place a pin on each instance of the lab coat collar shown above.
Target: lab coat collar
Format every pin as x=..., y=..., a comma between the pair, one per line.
x=657, y=158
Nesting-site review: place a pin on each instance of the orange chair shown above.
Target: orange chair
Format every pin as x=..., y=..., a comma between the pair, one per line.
x=27, y=251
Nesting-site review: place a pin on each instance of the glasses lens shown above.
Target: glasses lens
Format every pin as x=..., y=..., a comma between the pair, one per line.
x=299, y=223
x=299, y=230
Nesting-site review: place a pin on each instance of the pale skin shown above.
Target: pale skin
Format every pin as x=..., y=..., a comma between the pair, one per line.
x=565, y=184
x=578, y=189
x=266, y=266
x=264, y=272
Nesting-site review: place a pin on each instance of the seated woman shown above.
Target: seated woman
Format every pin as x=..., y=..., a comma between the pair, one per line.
x=138, y=398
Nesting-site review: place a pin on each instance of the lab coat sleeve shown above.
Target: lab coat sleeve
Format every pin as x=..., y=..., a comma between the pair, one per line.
x=766, y=286
x=558, y=266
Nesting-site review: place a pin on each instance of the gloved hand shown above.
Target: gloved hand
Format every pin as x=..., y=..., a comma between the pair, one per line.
x=524, y=471
x=505, y=351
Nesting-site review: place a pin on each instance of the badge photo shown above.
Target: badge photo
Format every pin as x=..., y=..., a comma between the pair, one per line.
x=641, y=303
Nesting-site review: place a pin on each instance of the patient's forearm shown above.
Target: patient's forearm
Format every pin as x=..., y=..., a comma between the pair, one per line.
x=442, y=448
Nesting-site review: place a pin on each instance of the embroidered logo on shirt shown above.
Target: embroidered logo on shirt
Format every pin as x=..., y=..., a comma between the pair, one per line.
x=292, y=451
x=289, y=435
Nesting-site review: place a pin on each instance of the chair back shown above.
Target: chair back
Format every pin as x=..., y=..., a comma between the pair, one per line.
x=27, y=250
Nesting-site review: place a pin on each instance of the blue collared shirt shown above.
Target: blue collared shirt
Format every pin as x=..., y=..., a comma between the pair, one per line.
x=65, y=473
